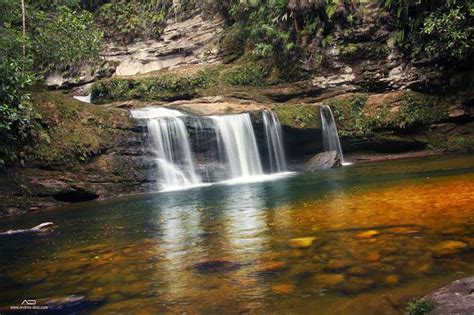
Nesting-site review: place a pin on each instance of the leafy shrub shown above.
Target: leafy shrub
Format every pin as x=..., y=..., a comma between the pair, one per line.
x=17, y=116
x=250, y=74
x=75, y=38
x=419, y=306
x=448, y=35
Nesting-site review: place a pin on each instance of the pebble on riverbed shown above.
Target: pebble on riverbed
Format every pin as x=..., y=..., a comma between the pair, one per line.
x=368, y=234
x=302, y=242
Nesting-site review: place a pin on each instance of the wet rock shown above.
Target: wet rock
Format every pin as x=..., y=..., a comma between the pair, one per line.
x=368, y=234
x=323, y=161
x=455, y=298
x=328, y=280
x=302, y=242
x=447, y=248
x=283, y=289
x=216, y=266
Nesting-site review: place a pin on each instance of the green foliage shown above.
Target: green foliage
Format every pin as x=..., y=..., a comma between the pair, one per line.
x=419, y=306
x=436, y=29
x=75, y=38
x=449, y=35
x=250, y=74
x=164, y=87
x=58, y=36
x=127, y=20
x=17, y=117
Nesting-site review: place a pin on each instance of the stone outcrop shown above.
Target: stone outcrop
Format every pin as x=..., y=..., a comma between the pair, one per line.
x=455, y=298
x=323, y=161
x=191, y=41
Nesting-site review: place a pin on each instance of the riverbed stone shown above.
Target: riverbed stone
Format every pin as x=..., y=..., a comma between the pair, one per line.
x=454, y=298
x=368, y=234
x=302, y=242
x=447, y=248
x=328, y=279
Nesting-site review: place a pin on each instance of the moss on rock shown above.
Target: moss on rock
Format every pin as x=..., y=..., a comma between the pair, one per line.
x=167, y=86
x=302, y=116
x=71, y=131
x=360, y=115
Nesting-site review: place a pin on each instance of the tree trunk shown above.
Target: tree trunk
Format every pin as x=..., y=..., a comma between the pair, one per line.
x=23, y=14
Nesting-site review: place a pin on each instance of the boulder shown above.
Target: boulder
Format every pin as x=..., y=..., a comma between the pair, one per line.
x=323, y=161
x=455, y=298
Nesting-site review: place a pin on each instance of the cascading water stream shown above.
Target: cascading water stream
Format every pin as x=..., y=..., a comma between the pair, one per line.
x=276, y=149
x=238, y=145
x=170, y=145
x=330, y=136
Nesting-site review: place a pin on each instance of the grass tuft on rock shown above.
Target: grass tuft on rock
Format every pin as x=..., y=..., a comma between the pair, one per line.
x=419, y=306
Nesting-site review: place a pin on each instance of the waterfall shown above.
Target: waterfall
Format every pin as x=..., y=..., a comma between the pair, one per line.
x=237, y=141
x=85, y=99
x=170, y=145
x=330, y=136
x=274, y=139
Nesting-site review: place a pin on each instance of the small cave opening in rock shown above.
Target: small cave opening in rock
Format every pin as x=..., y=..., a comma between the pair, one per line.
x=74, y=196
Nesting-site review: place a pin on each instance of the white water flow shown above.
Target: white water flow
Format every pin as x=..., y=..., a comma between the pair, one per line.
x=170, y=145
x=239, y=146
x=330, y=136
x=274, y=137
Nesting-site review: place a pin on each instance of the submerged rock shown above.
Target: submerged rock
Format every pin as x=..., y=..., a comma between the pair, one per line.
x=302, y=242
x=368, y=234
x=216, y=266
x=447, y=248
x=328, y=280
x=323, y=161
x=455, y=298
x=283, y=288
